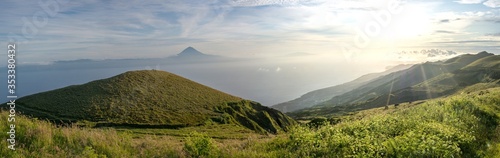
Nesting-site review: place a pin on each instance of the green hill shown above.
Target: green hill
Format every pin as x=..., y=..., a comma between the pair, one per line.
x=155, y=99
x=462, y=125
x=487, y=62
x=422, y=81
x=318, y=96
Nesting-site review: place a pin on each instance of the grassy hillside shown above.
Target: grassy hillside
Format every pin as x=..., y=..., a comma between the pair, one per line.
x=318, y=96
x=488, y=62
x=150, y=99
x=421, y=81
x=464, y=125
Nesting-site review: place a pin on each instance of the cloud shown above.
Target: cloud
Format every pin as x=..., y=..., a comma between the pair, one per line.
x=493, y=20
x=360, y=5
x=252, y=3
x=425, y=55
x=445, y=32
x=430, y=52
x=469, y=41
x=116, y=29
x=492, y=3
x=488, y=3
x=445, y=21
x=493, y=34
x=263, y=69
x=469, y=1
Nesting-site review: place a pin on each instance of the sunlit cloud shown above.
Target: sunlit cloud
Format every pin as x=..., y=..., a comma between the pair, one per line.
x=425, y=55
x=263, y=69
x=242, y=28
x=492, y=3
x=252, y=3
x=493, y=34
x=470, y=1
x=488, y=3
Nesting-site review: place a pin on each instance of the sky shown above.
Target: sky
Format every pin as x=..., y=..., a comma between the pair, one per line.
x=350, y=30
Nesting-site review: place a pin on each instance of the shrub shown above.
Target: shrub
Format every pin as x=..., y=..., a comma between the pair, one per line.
x=89, y=152
x=200, y=145
x=334, y=120
x=317, y=121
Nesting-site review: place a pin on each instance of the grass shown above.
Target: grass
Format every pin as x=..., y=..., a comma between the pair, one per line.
x=460, y=126
x=489, y=62
x=150, y=99
x=36, y=138
x=218, y=131
x=463, y=125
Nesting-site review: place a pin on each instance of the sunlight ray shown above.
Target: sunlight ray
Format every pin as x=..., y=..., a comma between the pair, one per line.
x=426, y=84
x=390, y=93
x=453, y=81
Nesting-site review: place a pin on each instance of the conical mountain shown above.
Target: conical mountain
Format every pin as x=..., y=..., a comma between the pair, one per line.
x=190, y=51
x=191, y=55
x=151, y=98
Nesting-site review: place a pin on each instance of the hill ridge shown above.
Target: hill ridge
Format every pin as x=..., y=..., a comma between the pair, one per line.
x=421, y=81
x=318, y=96
x=151, y=98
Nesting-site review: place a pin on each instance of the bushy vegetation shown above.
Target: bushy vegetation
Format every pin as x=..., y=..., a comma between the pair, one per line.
x=36, y=138
x=253, y=116
x=460, y=126
x=464, y=125
x=39, y=138
x=200, y=145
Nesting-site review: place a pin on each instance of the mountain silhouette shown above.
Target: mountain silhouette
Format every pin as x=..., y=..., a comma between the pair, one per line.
x=190, y=51
x=191, y=55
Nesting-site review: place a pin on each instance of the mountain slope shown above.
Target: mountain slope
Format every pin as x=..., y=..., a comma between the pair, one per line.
x=150, y=99
x=421, y=81
x=315, y=97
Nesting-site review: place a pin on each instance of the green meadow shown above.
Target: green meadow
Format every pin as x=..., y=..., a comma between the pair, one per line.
x=462, y=125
